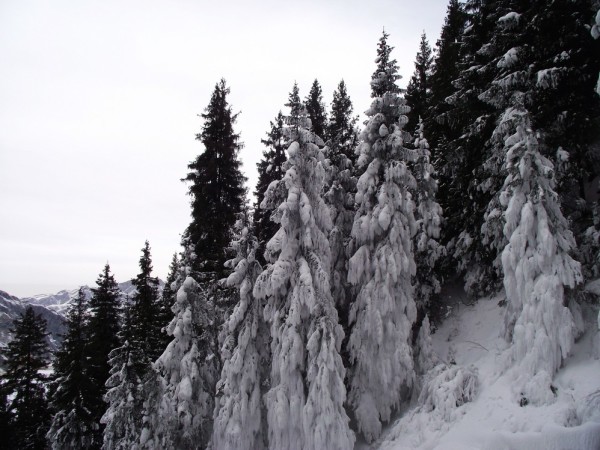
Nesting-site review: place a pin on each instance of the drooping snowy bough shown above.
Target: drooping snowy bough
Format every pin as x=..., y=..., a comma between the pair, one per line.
x=239, y=408
x=305, y=403
x=123, y=416
x=181, y=418
x=384, y=311
x=536, y=263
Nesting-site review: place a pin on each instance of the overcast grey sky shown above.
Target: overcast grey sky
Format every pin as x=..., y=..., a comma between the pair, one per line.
x=99, y=103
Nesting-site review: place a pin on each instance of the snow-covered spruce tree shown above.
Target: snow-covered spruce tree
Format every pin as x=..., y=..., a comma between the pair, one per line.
x=506, y=64
x=124, y=395
x=181, y=416
x=73, y=422
x=536, y=262
x=307, y=394
x=239, y=411
x=271, y=172
x=384, y=310
x=386, y=66
x=429, y=219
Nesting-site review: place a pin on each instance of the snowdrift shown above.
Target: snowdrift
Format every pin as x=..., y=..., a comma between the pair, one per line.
x=469, y=401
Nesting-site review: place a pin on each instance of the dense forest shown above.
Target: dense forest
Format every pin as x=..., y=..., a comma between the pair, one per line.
x=302, y=319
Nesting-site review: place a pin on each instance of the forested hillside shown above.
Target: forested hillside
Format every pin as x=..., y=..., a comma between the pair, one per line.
x=306, y=317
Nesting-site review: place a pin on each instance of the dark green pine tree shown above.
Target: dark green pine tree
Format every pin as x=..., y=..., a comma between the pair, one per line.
x=270, y=169
x=418, y=90
x=444, y=71
x=146, y=320
x=341, y=133
x=295, y=105
x=73, y=424
x=166, y=302
x=27, y=355
x=342, y=138
x=472, y=121
x=216, y=187
x=104, y=326
x=386, y=74
x=316, y=109
x=125, y=390
x=564, y=71
x=439, y=129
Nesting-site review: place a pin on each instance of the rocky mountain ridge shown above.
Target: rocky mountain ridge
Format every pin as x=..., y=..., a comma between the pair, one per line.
x=52, y=307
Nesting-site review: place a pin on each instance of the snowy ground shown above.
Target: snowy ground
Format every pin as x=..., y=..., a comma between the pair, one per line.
x=494, y=420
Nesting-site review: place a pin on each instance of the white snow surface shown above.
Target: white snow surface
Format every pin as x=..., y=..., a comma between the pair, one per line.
x=471, y=338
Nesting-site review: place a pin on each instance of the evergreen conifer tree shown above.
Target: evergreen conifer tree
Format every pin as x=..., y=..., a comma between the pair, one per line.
x=216, y=186
x=124, y=395
x=564, y=70
x=181, y=414
x=340, y=189
x=386, y=74
x=73, y=424
x=418, y=90
x=341, y=133
x=543, y=51
x=295, y=105
x=307, y=394
x=382, y=266
x=270, y=169
x=441, y=129
x=536, y=262
x=166, y=301
x=27, y=355
x=429, y=219
x=316, y=109
x=145, y=312
x=239, y=411
x=470, y=121
x=104, y=326
x=445, y=70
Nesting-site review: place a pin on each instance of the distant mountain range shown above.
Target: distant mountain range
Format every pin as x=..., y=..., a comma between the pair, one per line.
x=52, y=307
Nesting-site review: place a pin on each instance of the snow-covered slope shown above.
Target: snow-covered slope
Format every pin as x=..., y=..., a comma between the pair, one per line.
x=497, y=417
